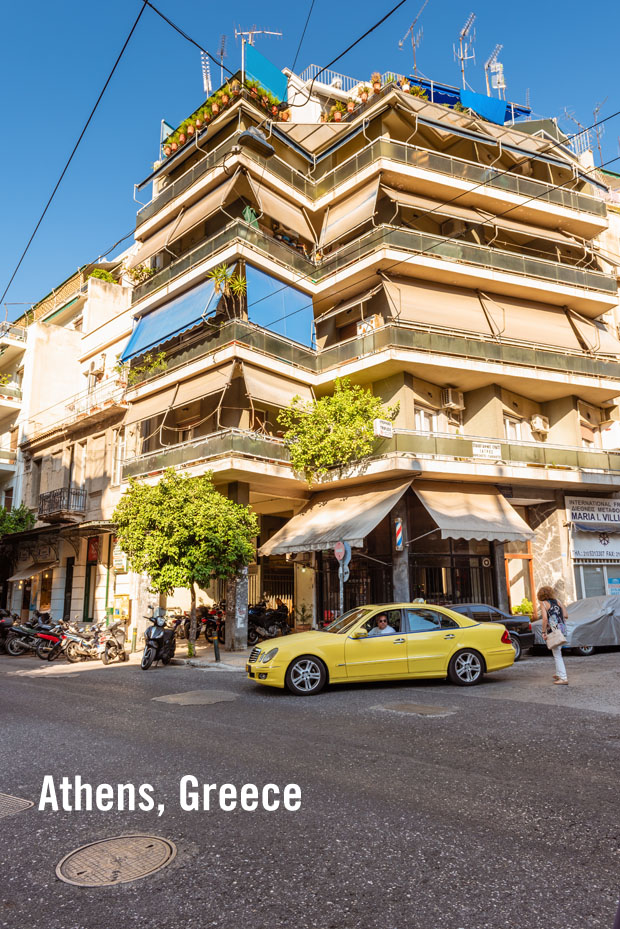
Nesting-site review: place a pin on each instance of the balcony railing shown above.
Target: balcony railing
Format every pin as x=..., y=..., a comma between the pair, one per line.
x=61, y=502
x=14, y=393
x=400, y=152
x=102, y=399
x=10, y=331
x=424, y=244
x=254, y=445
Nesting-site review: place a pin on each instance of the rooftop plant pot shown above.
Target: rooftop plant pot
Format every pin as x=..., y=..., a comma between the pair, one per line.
x=285, y=116
x=215, y=108
x=174, y=146
x=350, y=106
x=191, y=129
x=167, y=151
x=254, y=91
x=274, y=110
x=182, y=138
x=364, y=97
x=337, y=116
x=225, y=99
x=198, y=122
x=376, y=87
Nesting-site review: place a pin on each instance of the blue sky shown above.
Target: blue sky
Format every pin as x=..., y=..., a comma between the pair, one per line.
x=56, y=57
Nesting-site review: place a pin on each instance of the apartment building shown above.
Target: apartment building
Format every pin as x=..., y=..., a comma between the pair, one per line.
x=459, y=266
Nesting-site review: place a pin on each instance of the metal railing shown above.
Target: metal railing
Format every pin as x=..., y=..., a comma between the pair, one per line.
x=252, y=445
x=15, y=393
x=330, y=78
x=400, y=152
x=104, y=396
x=380, y=237
x=62, y=500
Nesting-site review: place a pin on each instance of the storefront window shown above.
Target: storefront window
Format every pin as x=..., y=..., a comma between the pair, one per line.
x=45, y=599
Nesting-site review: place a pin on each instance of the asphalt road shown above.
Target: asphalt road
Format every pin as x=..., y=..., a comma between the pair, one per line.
x=503, y=813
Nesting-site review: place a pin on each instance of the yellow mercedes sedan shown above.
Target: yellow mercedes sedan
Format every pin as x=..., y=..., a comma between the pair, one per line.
x=386, y=642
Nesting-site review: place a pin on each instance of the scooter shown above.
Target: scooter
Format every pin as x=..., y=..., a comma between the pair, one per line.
x=25, y=637
x=113, y=642
x=6, y=624
x=159, y=641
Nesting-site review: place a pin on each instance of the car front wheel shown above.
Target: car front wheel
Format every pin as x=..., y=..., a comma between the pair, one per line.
x=306, y=676
x=466, y=668
x=516, y=644
x=584, y=650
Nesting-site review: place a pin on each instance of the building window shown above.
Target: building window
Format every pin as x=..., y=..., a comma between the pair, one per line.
x=512, y=429
x=45, y=598
x=8, y=499
x=425, y=420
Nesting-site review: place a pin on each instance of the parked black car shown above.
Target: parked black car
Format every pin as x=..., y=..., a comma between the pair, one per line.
x=519, y=627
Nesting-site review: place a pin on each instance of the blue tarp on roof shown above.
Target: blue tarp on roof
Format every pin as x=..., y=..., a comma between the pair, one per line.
x=278, y=307
x=489, y=108
x=171, y=319
x=445, y=93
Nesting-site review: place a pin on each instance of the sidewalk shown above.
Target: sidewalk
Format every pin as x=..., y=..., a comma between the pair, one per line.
x=205, y=658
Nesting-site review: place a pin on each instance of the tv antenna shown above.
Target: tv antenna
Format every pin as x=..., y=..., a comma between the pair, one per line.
x=250, y=34
x=598, y=129
x=416, y=37
x=581, y=142
x=221, y=54
x=490, y=67
x=467, y=37
x=206, y=73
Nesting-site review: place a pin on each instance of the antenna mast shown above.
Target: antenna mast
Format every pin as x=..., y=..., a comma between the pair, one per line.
x=221, y=53
x=466, y=43
x=599, y=130
x=253, y=32
x=490, y=65
x=206, y=73
x=416, y=37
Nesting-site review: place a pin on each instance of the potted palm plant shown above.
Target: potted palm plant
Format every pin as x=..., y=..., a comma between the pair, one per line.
x=375, y=80
x=350, y=105
x=364, y=93
x=235, y=87
x=337, y=110
x=417, y=91
x=225, y=95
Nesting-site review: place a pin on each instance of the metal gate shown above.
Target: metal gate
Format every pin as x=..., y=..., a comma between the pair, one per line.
x=368, y=583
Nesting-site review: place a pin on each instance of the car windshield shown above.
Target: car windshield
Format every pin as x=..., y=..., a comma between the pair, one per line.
x=347, y=620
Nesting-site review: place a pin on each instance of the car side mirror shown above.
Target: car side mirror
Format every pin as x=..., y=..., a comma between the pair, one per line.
x=359, y=634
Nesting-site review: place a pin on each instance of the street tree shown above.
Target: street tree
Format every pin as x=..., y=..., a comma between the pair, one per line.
x=17, y=519
x=334, y=431
x=182, y=532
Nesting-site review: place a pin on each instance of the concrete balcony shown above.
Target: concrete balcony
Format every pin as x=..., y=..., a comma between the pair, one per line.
x=86, y=408
x=10, y=399
x=12, y=342
x=410, y=167
x=63, y=504
x=8, y=460
x=430, y=257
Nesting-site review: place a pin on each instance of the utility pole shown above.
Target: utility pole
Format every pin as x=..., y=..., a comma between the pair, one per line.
x=416, y=37
x=465, y=43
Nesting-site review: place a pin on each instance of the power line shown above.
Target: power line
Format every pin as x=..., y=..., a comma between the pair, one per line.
x=182, y=32
x=302, y=35
x=75, y=148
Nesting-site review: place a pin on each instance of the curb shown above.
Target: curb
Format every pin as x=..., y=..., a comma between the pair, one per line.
x=203, y=663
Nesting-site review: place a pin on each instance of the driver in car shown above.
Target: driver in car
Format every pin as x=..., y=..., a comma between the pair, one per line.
x=382, y=627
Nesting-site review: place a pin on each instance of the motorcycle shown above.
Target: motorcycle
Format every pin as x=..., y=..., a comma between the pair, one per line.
x=77, y=646
x=6, y=624
x=113, y=641
x=159, y=641
x=25, y=637
x=215, y=625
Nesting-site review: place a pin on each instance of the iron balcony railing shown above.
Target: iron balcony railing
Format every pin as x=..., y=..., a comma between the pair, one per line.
x=327, y=177
x=407, y=240
x=253, y=445
x=62, y=500
x=10, y=331
x=105, y=396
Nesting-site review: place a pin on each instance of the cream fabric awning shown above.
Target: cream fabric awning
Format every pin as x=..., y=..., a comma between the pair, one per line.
x=210, y=382
x=37, y=567
x=314, y=136
x=472, y=511
x=434, y=306
x=336, y=516
x=355, y=209
x=596, y=335
x=287, y=214
x=531, y=322
x=349, y=304
x=150, y=406
x=272, y=388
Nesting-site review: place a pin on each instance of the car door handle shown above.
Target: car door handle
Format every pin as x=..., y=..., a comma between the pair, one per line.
x=398, y=641
x=450, y=636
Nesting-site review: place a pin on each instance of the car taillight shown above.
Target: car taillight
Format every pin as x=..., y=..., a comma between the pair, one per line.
x=506, y=638
x=529, y=626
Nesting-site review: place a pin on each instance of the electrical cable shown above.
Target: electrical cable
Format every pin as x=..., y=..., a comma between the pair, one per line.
x=188, y=37
x=303, y=35
x=75, y=148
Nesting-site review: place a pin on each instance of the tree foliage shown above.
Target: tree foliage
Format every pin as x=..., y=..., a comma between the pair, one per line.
x=333, y=431
x=182, y=531
x=18, y=519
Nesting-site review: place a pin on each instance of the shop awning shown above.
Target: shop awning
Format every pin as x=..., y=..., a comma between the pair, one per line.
x=472, y=511
x=350, y=213
x=272, y=388
x=596, y=526
x=171, y=319
x=37, y=567
x=336, y=516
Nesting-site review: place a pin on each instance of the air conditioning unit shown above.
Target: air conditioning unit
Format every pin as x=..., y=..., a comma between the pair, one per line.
x=539, y=423
x=453, y=227
x=369, y=324
x=452, y=399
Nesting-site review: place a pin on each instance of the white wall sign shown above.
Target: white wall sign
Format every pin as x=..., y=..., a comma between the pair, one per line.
x=486, y=450
x=383, y=428
x=595, y=527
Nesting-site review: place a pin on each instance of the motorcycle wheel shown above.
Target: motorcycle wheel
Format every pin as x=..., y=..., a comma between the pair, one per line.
x=55, y=652
x=210, y=632
x=123, y=655
x=15, y=646
x=43, y=649
x=272, y=631
x=221, y=633
x=73, y=652
x=147, y=658
x=109, y=653
x=252, y=636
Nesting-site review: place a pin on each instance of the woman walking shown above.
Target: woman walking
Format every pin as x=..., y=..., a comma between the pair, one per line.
x=554, y=617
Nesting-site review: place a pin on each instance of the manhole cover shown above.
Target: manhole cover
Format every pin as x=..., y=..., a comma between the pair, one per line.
x=417, y=709
x=197, y=697
x=10, y=805
x=115, y=861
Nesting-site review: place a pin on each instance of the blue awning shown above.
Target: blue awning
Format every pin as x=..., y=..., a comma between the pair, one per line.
x=171, y=319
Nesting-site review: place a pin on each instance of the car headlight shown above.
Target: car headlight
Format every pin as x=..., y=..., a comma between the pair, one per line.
x=268, y=656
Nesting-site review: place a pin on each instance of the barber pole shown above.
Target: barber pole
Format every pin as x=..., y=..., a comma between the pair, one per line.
x=398, y=534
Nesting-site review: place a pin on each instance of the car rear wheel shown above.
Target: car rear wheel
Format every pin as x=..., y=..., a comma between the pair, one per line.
x=306, y=676
x=584, y=650
x=466, y=668
x=516, y=644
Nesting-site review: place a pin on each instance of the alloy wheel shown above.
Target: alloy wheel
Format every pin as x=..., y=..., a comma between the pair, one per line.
x=306, y=675
x=468, y=667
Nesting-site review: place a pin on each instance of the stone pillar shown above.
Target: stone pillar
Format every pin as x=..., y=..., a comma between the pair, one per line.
x=499, y=568
x=237, y=612
x=400, y=560
x=239, y=492
x=550, y=548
